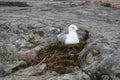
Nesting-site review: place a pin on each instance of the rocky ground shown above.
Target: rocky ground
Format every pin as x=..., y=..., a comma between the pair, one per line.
x=28, y=28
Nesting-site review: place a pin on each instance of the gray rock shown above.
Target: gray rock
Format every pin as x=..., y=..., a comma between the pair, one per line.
x=14, y=66
x=7, y=69
x=2, y=70
x=54, y=16
x=38, y=48
x=32, y=70
x=76, y=75
x=108, y=64
x=23, y=44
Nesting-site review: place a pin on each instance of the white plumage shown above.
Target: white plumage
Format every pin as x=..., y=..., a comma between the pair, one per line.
x=71, y=37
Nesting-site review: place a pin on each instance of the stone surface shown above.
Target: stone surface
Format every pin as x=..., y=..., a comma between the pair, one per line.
x=32, y=70
x=28, y=55
x=108, y=64
x=26, y=27
x=2, y=70
x=107, y=3
x=77, y=75
x=13, y=66
x=10, y=67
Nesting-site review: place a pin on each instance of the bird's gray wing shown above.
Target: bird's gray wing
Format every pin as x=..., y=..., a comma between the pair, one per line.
x=62, y=37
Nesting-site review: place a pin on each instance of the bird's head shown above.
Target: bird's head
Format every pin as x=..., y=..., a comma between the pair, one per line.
x=73, y=28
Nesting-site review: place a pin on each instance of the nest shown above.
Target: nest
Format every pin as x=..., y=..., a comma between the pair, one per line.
x=60, y=57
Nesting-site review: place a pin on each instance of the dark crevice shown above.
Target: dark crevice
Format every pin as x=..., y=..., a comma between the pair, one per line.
x=19, y=67
x=97, y=76
x=18, y=4
x=106, y=4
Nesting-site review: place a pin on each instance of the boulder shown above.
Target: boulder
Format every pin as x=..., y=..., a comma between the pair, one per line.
x=107, y=3
x=29, y=55
x=32, y=70
x=2, y=70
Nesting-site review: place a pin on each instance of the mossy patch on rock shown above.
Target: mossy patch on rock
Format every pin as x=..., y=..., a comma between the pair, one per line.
x=59, y=57
x=4, y=53
x=31, y=37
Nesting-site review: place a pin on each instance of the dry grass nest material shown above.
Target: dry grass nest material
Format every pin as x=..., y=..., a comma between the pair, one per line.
x=60, y=57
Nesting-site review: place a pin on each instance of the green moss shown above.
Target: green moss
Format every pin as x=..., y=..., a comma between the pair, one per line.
x=118, y=54
x=31, y=37
x=4, y=53
x=69, y=62
x=14, y=77
x=71, y=55
x=90, y=58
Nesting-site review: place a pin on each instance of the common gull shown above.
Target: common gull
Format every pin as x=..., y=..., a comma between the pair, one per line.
x=71, y=37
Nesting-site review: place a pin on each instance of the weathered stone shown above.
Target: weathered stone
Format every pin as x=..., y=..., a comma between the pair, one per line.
x=48, y=18
x=6, y=51
x=14, y=66
x=76, y=75
x=108, y=64
x=38, y=48
x=32, y=70
x=80, y=3
x=23, y=44
x=2, y=70
x=107, y=3
x=28, y=56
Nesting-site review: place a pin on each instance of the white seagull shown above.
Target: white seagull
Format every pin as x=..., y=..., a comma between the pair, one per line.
x=71, y=37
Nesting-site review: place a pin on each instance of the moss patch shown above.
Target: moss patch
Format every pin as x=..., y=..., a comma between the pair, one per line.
x=31, y=37
x=4, y=53
x=60, y=57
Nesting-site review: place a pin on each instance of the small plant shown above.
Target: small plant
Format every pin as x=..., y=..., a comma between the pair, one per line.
x=32, y=38
x=13, y=77
x=71, y=55
x=4, y=53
